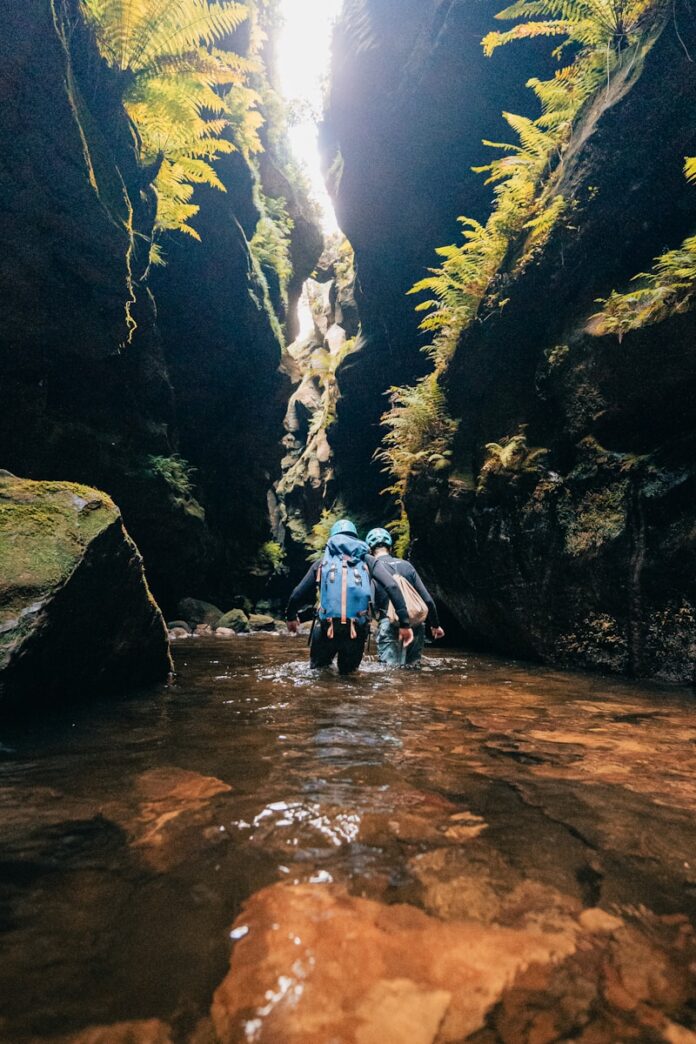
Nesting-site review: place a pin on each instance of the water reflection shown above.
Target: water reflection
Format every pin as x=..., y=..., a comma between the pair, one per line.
x=473, y=792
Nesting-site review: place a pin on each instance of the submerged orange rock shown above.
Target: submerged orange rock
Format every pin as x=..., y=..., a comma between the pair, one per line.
x=314, y=964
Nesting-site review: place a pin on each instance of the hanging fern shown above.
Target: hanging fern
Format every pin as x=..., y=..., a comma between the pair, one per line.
x=146, y=38
x=667, y=290
x=670, y=288
x=181, y=92
x=606, y=27
x=525, y=211
x=419, y=433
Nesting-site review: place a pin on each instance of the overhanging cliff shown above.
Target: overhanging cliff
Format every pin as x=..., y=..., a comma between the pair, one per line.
x=562, y=526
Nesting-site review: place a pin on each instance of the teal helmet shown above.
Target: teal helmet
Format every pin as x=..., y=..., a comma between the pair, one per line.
x=345, y=526
x=378, y=536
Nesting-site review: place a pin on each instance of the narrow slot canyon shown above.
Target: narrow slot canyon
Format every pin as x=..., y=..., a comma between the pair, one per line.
x=347, y=516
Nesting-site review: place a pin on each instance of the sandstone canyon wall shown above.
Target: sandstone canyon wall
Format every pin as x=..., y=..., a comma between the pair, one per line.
x=161, y=389
x=563, y=526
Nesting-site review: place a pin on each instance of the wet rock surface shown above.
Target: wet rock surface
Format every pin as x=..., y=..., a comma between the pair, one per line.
x=412, y=95
x=313, y=363
x=76, y=615
x=586, y=557
x=578, y=550
x=477, y=851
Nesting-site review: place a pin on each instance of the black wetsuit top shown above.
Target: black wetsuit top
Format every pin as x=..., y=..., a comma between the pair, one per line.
x=405, y=569
x=384, y=585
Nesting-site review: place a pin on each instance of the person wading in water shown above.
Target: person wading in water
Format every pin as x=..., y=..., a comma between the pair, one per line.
x=420, y=603
x=344, y=578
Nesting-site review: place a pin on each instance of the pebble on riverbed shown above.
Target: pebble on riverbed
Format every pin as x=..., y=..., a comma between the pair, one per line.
x=178, y=632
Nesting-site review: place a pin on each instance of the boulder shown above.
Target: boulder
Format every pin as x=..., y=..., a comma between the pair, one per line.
x=180, y=624
x=179, y=632
x=76, y=615
x=225, y=632
x=236, y=619
x=371, y=973
x=261, y=622
x=202, y=630
x=242, y=602
x=194, y=611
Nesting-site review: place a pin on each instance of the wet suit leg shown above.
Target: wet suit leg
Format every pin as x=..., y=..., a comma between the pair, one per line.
x=390, y=649
x=323, y=649
x=388, y=644
x=350, y=650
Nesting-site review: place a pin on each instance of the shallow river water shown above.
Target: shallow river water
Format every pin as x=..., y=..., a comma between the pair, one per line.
x=480, y=851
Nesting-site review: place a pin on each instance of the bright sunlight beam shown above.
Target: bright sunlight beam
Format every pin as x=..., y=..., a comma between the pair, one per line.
x=303, y=53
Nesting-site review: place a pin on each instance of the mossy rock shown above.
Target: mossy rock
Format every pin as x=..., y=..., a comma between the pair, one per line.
x=243, y=603
x=261, y=622
x=195, y=611
x=76, y=615
x=236, y=620
x=172, y=624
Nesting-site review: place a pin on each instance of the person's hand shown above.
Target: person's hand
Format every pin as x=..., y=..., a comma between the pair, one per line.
x=293, y=626
x=406, y=636
x=438, y=632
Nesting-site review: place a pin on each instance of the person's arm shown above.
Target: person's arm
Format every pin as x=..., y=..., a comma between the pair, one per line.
x=304, y=594
x=433, y=619
x=382, y=576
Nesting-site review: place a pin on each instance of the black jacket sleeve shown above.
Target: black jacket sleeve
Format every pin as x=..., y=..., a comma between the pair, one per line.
x=304, y=593
x=433, y=618
x=382, y=576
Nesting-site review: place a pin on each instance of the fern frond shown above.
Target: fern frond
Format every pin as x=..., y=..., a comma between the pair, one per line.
x=183, y=93
x=527, y=31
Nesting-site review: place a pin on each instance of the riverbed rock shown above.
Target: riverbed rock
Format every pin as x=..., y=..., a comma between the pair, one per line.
x=195, y=611
x=180, y=623
x=179, y=632
x=76, y=615
x=237, y=619
x=261, y=622
x=353, y=970
x=225, y=632
x=166, y=814
x=138, y=1031
x=313, y=964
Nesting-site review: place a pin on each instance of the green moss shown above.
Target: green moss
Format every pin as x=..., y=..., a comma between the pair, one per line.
x=598, y=518
x=270, y=559
x=44, y=528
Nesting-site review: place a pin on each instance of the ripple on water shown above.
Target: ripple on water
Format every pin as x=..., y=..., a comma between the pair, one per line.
x=485, y=793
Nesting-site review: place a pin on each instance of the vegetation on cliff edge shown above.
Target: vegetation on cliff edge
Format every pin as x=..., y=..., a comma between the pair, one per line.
x=603, y=37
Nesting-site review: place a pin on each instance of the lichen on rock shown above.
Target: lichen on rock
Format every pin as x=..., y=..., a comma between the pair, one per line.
x=76, y=615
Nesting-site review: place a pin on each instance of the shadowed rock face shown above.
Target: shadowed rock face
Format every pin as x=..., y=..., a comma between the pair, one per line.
x=412, y=96
x=84, y=385
x=76, y=616
x=92, y=391
x=583, y=554
x=223, y=353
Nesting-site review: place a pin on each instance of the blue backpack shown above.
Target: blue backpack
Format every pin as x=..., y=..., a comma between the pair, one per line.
x=344, y=582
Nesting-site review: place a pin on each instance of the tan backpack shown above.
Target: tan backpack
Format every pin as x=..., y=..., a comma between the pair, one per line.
x=417, y=609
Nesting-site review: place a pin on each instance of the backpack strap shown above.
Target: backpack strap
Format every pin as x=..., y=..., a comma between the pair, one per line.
x=344, y=590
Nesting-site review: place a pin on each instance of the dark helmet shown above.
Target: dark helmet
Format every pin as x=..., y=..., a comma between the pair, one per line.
x=343, y=526
x=378, y=537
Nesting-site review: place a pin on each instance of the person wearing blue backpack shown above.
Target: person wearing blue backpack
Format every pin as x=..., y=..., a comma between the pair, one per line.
x=344, y=578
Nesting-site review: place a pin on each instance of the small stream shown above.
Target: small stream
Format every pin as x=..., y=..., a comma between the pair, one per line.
x=480, y=850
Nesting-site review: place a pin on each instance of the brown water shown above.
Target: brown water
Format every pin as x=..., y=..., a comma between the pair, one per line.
x=477, y=851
